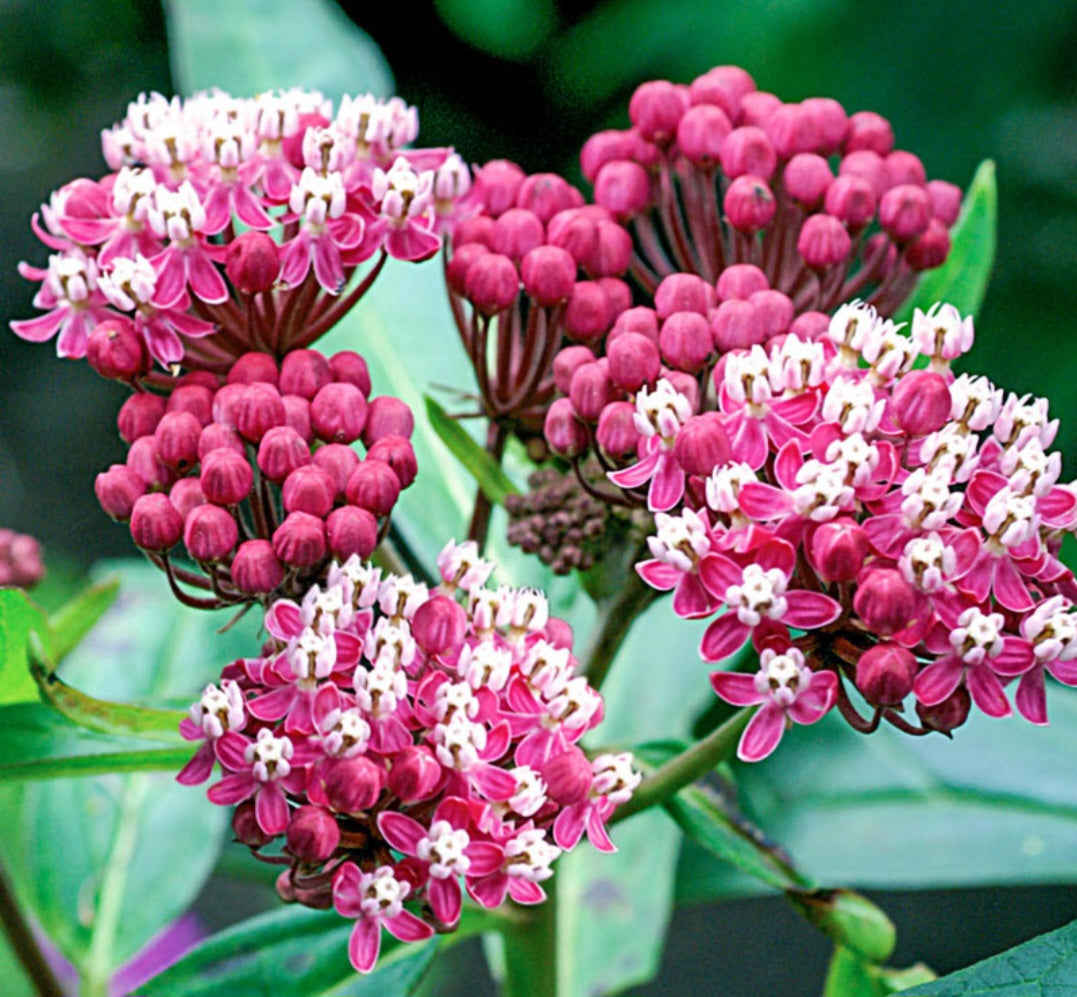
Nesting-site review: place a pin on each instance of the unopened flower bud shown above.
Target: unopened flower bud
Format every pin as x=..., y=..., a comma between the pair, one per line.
x=736, y=325
x=749, y=203
x=256, y=569
x=439, y=624
x=613, y=250
x=885, y=674
x=757, y=108
x=851, y=199
x=904, y=212
x=793, y=129
x=139, y=415
x=931, y=249
x=701, y=132
x=193, y=398
x=281, y=451
x=351, y=530
x=338, y=461
x=258, y=409
x=246, y=828
x=810, y=326
x=702, y=444
x=186, y=494
x=176, y=440
x=143, y=460
x=945, y=200
x=905, y=168
x=775, y=311
x=373, y=486
x=656, y=108
x=415, y=774
x=605, y=147
x=338, y=413
x=807, y=177
x=634, y=360
x=516, y=233
x=921, y=402
x=398, y=453
x=748, y=151
x=309, y=489
x=567, y=361
x=587, y=315
x=546, y=194
x=253, y=262
x=499, y=182
x=568, y=777
x=387, y=416
x=349, y=367
x=616, y=432
x=724, y=86
x=304, y=373
x=116, y=351
x=349, y=785
x=297, y=416
x=117, y=489
x=623, y=188
x=210, y=533
x=591, y=390
x=300, y=540
x=492, y=283
x=868, y=130
x=867, y=166
x=838, y=549
x=549, y=275
x=312, y=835
x=885, y=601
x=462, y=259
x=686, y=341
x=254, y=367
x=823, y=242
x=740, y=281
x=564, y=432
x=156, y=526
x=830, y=119
x=682, y=292
x=948, y=715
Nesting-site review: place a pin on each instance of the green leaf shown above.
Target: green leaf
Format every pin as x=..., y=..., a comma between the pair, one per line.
x=248, y=46
x=19, y=617
x=962, y=279
x=849, y=919
x=510, y=29
x=495, y=484
x=72, y=621
x=1043, y=967
x=851, y=976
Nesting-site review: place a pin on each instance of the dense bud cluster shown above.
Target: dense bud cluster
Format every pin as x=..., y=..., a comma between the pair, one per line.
x=401, y=740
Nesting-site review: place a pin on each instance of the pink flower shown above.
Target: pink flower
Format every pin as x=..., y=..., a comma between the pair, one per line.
x=259, y=769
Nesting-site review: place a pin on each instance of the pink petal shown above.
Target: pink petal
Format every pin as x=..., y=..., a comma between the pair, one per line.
x=232, y=789
x=725, y=636
x=231, y=750
x=389, y=735
x=658, y=574
x=1010, y=588
x=171, y=278
x=37, y=330
x=271, y=808
x=1031, y=698
x=762, y=734
x=494, y=783
x=249, y=209
x=987, y=692
x=718, y=573
x=1056, y=506
x=1017, y=657
x=206, y=281
x=736, y=688
x=749, y=442
x=283, y=620
x=73, y=335
x=444, y=896
x=762, y=501
x=407, y=927
x=490, y=890
x=411, y=243
x=295, y=260
x=327, y=265
x=569, y=826
x=190, y=325
x=667, y=485
x=938, y=681
x=596, y=834
x=637, y=474
x=786, y=465
x=273, y=705
x=161, y=340
x=402, y=832
x=485, y=858
x=346, y=890
x=811, y=706
x=364, y=944
x=776, y=554
x=525, y=892
x=810, y=610
x=198, y=769
x=691, y=600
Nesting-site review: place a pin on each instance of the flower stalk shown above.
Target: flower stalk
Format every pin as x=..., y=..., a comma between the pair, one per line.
x=24, y=944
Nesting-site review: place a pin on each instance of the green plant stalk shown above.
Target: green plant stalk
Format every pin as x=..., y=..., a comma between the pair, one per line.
x=615, y=619
x=531, y=967
x=24, y=945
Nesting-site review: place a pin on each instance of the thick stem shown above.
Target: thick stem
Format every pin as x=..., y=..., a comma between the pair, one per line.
x=496, y=435
x=687, y=767
x=531, y=950
x=24, y=944
x=616, y=616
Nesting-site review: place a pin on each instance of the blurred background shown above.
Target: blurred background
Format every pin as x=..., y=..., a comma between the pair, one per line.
x=529, y=80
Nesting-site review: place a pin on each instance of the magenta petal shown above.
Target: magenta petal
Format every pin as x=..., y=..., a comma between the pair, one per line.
x=736, y=688
x=1010, y=588
x=525, y=892
x=37, y=330
x=569, y=826
x=328, y=267
x=667, y=485
x=637, y=474
x=295, y=260
x=206, y=281
x=283, y=620
x=407, y=927
x=718, y=574
x=232, y=789
x=811, y=706
x=776, y=553
x=490, y=890
x=444, y=895
x=658, y=574
x=938, y=681
x=987, y=692
x=171, y=279
x=762, y=734
x=73, y=335
x=786, y=465
x=364, y=944
x=691, y=600
x=161, y=340
x=411, y=243
x=402, y=832
x=190, y=325
x=809, y=610
x=271, y=808
x=198, y=769
x=273, y=705
x=485, y=858
x=494, y=783
x=249, y=209
x=762, y=501
x=1031, y=698
x=346, y=900
x=231, y=749
x=1016, y=658
x=596, y=834
x=723, y=637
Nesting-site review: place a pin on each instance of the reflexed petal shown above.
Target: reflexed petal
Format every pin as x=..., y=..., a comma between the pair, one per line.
x=524, y=892
x=364, y=944
x=1016, y=657
x=736, y=688
x=813, y=704
x=718, y=573
x=762, y=734
x=723, y=637
x=444, y=897
x=596, y=834
x=938, y=681
x=485, y=858
x=570, y=825
x=637, y=474
x=271, y=808
x=667, y=485
x=490, y=890
x=232, y=789
x=402, y=832
x=658, y=574
x=198, y=769
x=407, y=927
x=987, y=692
x=809, y=610
x=1031, y=698
x=691, y=600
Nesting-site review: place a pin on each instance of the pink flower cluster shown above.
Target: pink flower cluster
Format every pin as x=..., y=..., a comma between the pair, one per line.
x=403, y=740
x=318, y=193
x=21, y=565
x=860, y=520
x=256, y=472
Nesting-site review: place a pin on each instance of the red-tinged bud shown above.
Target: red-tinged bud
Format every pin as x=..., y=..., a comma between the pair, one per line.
x=254, y=367
x=634, y=360
x=736, y=325
x=702, y=444
x=885, y=601
x=245, y=826
x=156, y=526
x=885, y=674
x=398, y=453
x=945, y=201
x=516, y=233
x=793, y=129
x=21, y=565
x=351, y=530
x=823, y=242
x=904, y=212
x=566, y=362
x=297, y=416
x=195, y=399
x=931, y=249
x=462, y=258
x=143, y=460
x=256, y=570
x=312, y=835
x=748, y=151
x=905, y=168
x=810, y=326
x=139, y=415
x=686, y=341
x=868, y=166
x=775, y=311
x=617, y=293
x=217, y=436
x=683, y=292
x=642, y=320
x=575, y=231
x=616, y=432
x=624, y=188
x=613, y=251
x=549, y=275
x=807, y=177
x=830, y=119
x=200, y=379
x=281, y=451
x=740, y=281
x=565, y=433
x=568, y=777
x=749, y=203
x=439, y=625
x=607, y=147
x=757, y=107
x=338, y=461
x=117, y=489
x=415, y=774
x=868, y=130
x=176, y=440
x=921, y=402
x=350, y=785
x=116, y=351
x=492, y=283
x=656, y=108
x=724, y=86
x=186, y=494
x=545, y=194
x=373, y=486
x=701, y=133
x=338, y=413
x=559, y=632
x=225, y=402
x=478, y=229
x=851, y=200
x=587, y=315
x=591, y=390
x=309, y=489
x=258, y=410
x=300, y=540
x=210, y=533
x=948, y=715
x=252, y=262
x=838, y=549
x=499, y=182
x=292, y=146
x=349, y=367
x=304, y=373
x=387, y=416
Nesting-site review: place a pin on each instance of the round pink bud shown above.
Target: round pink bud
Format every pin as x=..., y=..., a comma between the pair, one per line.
x=373, y=486
x=492, y=283
x=216, y=436
x=885, y=674
x=478, y=230
x=143, y=460
x=256, y=570
x=398, y=453
x=117, y=489
x=740, y=281
x=793, y=129
x=945, y=201
x=775, y=311
x=905, y=168
x=304, y=373
x=281, y=451
x=724, y=86
x=559, y=632
x=338, y=413
x=737, y=325
x=297, y=416
x=415, y=774
x=624, y=188
x=683, y=292
x=387, y=416
x=549, y=275
x=546, y=194
x=568, y=777
x=252, y=262
x=587, y=315
x=210, y=533
x=312, y=835
x=748, y=151
x=921, y=402
x=300, y=540
x=904, y=212
x=349, y=367
x=199, y=378
x=931, y=249
x=885, y=601
x=613, y=251
x=634, y=360
x=838, y=549
x=823, y=242
x=176, y=440
x=749, y=203
x=685, y=341
x=606, y=147
x=642, y=320
x=462, y=258
x=499, y=182
x=186, y=494
x=338, y=461
x=868, y=166
x=851, y=199
x=702, y=444
x=309, y=489
x=195, y=399
x=566, y=362
x=116, y=351
x=948, y=715
x=701, y=133
x=574, y=231
x=246, y=828
x=656, y=108
x=225, y=402
x=139, y=415
x=439, y=625
x=807, y=177
x=810, y=326
x=254, y=367
x=868, y=130
x=565, y=433
x=350, y=785
x=616, y=432
x=591, y=390
x=617, y=293
x=156, y=526
x=259, y=408
x=830, y=119
x=757, y=107
x=351, y=530
x=516, y=233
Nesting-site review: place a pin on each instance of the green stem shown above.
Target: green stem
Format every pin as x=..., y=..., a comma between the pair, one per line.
x=687, y=767
x=531, y=950
x=24, y=944
x=615, y=618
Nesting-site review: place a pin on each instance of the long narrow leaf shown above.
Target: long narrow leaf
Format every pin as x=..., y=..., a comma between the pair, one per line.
x=72, y=621
x=495, y=484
